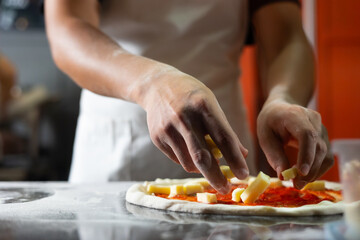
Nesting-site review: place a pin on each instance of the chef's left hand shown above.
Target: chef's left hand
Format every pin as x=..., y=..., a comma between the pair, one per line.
x=281, y=123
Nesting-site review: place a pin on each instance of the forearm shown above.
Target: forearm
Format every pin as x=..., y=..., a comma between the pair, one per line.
x=285, y=56
x=289, y=75
x=99, y=64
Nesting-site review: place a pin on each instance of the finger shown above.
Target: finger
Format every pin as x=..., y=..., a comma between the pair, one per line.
x=307, y=138
x=315, y=119
x=177, y=144
x=169, y=153
x=322, y=147
x=328, y=161
x=326, y=165
x=206, y=163
x=321, y=151
x=301, y=181
x=307, y=150
x=229, y=145
x=274, y=151
x=165, y=148
x=244, y=151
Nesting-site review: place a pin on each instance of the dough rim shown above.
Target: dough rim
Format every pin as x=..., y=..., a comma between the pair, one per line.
x=137, y=195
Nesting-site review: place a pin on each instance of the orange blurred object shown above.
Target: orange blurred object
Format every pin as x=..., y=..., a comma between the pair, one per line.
x=338, y=45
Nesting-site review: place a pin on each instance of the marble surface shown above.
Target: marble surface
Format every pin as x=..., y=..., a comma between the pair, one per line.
x=99, y=211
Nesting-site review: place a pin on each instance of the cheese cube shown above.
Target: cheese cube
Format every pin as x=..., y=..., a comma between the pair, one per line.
x=175, y=190
x=206, y=197
x=216, y=153
x=191, y=188
x=202, y=181
x=236, y=194
x=250, y=180
x=276, y=183
x=315, y=186
x=236, y=181
x=227, y=172
x=152, y=188
x=256, y=188
x=289, y=173
x=209, y=141
x=212, y=145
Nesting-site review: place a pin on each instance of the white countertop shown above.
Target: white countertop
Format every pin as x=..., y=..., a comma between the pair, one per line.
x=99, y=211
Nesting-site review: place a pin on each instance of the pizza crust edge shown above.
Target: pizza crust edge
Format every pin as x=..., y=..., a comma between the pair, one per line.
x=138, y=195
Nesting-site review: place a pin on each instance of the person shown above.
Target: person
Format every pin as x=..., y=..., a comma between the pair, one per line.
x=165, y=73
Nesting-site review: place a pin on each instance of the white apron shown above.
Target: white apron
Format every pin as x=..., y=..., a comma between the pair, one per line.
x=202, y=38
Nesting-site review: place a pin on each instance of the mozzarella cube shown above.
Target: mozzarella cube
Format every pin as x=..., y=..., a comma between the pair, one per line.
x=209, y=141
x=236, y=194
x=202, y=181
x=191, y=188
x=176, y=190
x=289, y=173
x=206, y=197
x=152, y=188
x=227, y=172
x=250, y=180
x=276, y=183
x=315, y=186
x=236, y=181
x=214, y=149
x=256, y=188
x=216, y=153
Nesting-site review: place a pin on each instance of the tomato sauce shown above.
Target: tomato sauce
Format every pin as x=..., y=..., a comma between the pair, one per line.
x=273, y=196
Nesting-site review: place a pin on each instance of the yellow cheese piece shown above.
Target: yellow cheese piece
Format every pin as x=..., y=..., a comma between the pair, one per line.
x=289, y=173
x=276, y=183
x=206, y=197
x=236, y=194
x=256, y=188
x=176, y=190
x=191, y=188
x=152, y=188
x=236, y=181
x=227, y=172
x=250, y=180
x=209, y=141
x=315, y=186
x=212, y=145
x=202, y=181
x=216, y=153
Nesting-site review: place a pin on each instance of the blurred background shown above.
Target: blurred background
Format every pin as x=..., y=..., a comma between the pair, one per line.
x=39, y=104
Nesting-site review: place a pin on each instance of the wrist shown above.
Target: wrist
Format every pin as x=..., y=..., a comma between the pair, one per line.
x=282, y=94
x=147, y=82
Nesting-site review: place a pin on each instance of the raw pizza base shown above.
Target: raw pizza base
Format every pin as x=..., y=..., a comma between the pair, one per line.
x=138, y=195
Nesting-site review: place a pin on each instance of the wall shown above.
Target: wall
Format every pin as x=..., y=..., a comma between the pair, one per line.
x=338, y=44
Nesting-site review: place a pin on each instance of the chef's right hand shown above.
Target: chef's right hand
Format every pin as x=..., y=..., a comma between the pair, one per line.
x=180, y=112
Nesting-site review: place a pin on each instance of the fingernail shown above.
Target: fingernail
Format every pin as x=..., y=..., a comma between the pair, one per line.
x=245, y=152
x=305, y=169
x=243, y=173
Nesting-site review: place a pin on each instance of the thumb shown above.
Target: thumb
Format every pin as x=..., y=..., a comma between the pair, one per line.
x=273, y=149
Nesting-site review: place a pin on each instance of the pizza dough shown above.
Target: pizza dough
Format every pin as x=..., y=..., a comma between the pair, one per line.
x=138, y=195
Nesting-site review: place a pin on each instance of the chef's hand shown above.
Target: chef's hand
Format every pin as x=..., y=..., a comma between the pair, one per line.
x=281, y=123
x=180, y=112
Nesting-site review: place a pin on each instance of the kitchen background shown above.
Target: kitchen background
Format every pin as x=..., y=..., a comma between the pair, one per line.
x=37, y=139
x=36, y=134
